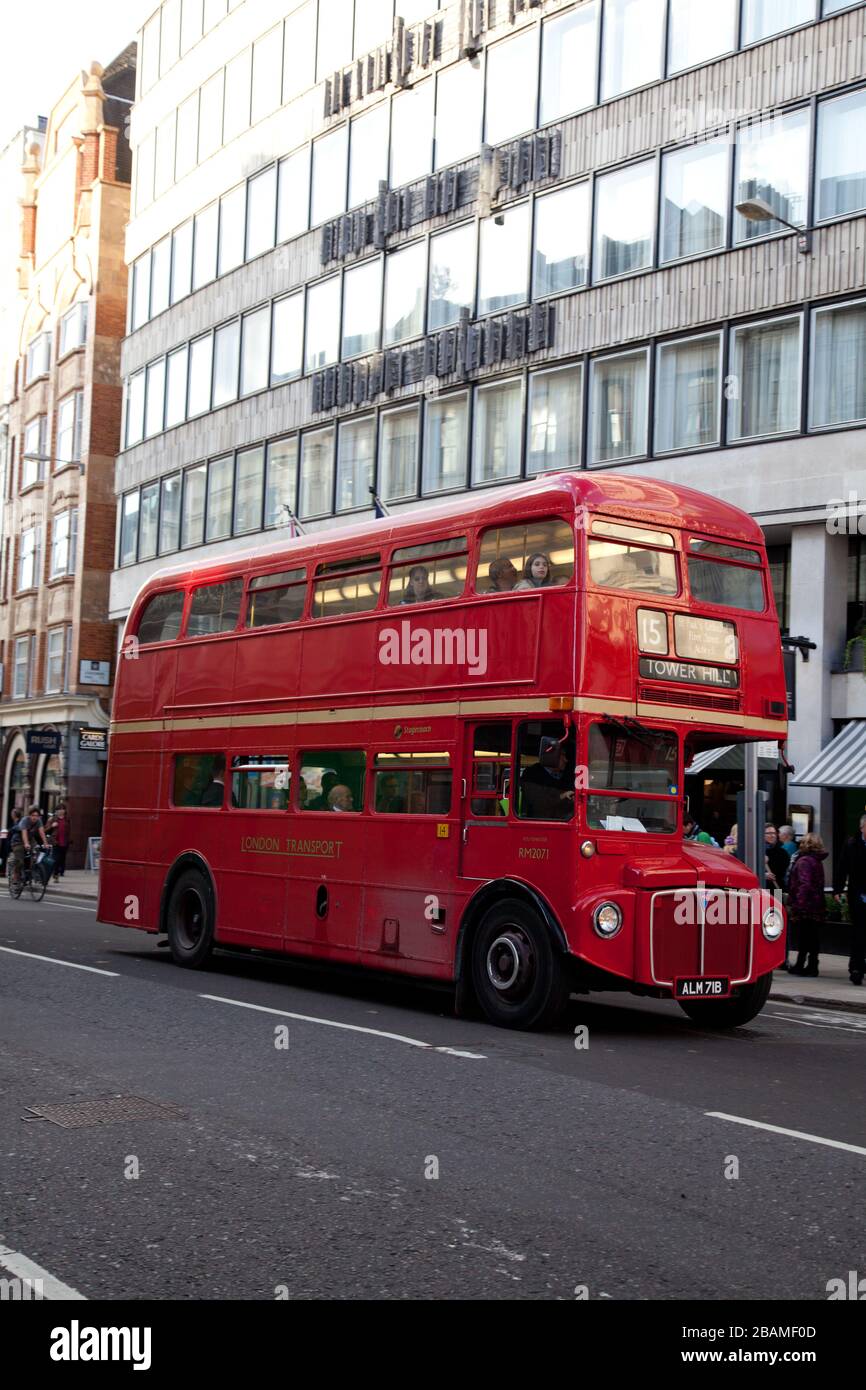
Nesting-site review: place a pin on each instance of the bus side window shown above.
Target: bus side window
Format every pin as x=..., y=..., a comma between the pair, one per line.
x=276, y=598
x=160, y=618
x=413, y=784
x=332, y=780
x=199, y=779
x=346, y=586
x=215, y=608
x=536, y=555
x=261, y=782
x=491, y=771
x=425, y=573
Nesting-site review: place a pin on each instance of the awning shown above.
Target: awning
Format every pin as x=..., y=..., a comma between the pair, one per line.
x=706, y=759
x=841, y=764
x=732, y=758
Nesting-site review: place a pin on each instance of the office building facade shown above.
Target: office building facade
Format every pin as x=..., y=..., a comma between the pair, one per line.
x=425, y=251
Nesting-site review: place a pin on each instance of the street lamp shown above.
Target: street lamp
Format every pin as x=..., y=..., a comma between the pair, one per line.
x=757, y=210
x=46, y=458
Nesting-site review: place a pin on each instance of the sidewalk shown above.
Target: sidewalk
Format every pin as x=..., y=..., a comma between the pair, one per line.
x=78, y=883
x=832, y=989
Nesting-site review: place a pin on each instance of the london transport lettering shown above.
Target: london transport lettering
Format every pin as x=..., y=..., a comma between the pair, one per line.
x=305, y=849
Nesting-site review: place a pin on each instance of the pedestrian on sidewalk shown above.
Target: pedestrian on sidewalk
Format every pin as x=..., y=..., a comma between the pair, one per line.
x=778, y=862
x=806, y=905
x=58, y=829
x=788, y=840
x=853, y=873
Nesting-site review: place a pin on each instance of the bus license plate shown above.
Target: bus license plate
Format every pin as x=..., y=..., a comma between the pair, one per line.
x=702, y=987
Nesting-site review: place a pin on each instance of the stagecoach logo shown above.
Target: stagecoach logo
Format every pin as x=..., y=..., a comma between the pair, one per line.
x=438, y=646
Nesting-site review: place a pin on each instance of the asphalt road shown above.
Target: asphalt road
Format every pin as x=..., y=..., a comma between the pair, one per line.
x=302, y=1171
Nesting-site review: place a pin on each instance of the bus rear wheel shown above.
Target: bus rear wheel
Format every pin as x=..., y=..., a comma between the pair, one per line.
x=519, y=981
x=190, y=920
x=731, y=1013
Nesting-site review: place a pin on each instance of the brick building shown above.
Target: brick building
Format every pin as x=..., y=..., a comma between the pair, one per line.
x=64, y=414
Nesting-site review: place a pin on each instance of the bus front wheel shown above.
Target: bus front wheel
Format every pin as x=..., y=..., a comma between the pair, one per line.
x=190, y=920
x=518, y=978
x=731, y=1013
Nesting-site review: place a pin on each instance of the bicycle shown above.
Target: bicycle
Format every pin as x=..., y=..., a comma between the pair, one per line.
x=26, y=874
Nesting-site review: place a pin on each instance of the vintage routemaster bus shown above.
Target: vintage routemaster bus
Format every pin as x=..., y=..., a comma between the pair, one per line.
x=451, y=744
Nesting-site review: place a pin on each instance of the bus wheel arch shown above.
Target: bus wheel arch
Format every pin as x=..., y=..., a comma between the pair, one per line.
x=520, y=922
x=188, y=911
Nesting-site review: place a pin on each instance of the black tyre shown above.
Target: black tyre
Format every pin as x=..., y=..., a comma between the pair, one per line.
x=190, y=920
x=38, y=883
x=518, y=976
x=16, y=880
x=731, y=1013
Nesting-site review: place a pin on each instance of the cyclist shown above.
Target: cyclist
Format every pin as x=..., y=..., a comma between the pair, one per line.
x=30, y=827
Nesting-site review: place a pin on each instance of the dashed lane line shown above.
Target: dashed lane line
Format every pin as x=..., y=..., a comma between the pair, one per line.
x=52, y=960
x=789, y=1133
x=349, y=1027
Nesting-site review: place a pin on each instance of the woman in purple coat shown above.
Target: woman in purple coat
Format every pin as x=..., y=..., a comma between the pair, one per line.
x=806, y=906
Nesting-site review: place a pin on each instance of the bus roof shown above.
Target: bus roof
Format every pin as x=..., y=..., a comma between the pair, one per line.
x=644, y=500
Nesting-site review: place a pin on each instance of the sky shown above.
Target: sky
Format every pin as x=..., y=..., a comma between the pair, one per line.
x=44, y=45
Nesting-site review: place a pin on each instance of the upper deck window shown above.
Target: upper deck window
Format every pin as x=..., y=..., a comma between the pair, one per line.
x=215, y=608
x=623, y=559
x=276, y=598
x=346, y=586
x=713, y=579
x=534, y=555
x=424, y=573
x=160, y=618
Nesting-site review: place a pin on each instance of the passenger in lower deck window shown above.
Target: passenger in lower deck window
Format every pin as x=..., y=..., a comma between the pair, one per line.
x=340, y=799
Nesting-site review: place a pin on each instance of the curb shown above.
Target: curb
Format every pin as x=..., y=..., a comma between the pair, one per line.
x=813, y=1001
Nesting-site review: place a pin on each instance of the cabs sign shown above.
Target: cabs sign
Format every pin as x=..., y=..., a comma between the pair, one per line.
x=93, y=740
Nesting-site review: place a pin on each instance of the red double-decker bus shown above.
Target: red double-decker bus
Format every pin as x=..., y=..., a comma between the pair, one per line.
x=451, y=745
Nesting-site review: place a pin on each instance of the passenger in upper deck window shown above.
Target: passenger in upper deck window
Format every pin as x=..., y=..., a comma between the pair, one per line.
x=418, y=589
x=537, y=572
x=503, y=576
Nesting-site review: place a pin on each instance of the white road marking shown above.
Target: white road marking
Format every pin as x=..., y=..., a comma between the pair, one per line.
x=844, y=1026
x=22, y=1268
x=52, y=960
x=349, y=1027
x=51, y=902
x=791, y=1133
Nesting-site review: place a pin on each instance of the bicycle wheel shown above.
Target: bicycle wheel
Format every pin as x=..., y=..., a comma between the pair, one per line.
x=16, y=880
x=37, y=885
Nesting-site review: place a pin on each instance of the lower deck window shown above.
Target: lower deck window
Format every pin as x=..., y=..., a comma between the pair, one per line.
x=332, y=780
x=413, y=784
x=199, y=779
x=261, y=782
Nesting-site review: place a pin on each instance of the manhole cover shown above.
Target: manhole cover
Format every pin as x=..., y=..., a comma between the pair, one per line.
x=80, y=1113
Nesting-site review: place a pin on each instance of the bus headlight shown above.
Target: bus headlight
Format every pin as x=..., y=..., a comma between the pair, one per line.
x=772, y=924
x=607, y=920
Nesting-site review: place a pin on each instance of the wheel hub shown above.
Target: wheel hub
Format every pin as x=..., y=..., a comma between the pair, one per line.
x=190, y=918
x=510, y=963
